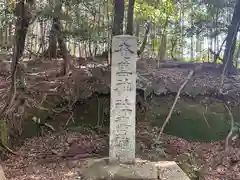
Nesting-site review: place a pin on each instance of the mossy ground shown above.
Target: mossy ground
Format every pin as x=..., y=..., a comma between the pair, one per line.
x=190, y=120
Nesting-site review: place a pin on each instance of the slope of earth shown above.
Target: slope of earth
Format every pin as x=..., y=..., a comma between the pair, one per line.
x=63, y=156
x=46, y=89
x=85, y=79
x=93, y=75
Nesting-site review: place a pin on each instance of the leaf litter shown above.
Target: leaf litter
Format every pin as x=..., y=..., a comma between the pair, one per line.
x=62, y=156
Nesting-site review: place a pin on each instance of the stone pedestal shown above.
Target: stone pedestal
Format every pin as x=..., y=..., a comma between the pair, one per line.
x=141, y=170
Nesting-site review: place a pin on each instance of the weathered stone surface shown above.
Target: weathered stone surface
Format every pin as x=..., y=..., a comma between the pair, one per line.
x=123, y=99
x=169, y=170
x=142, y=169
x=2, y=174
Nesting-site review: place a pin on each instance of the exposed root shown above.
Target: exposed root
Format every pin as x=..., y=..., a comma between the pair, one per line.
x=204, y=117
x=12, y=94
x=232, y=127
x=38, y=122
x=70, y=118
x=49, y=126
x=8, y=149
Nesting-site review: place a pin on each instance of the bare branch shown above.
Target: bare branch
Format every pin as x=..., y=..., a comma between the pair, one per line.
x=175, y=102
x=232, y=127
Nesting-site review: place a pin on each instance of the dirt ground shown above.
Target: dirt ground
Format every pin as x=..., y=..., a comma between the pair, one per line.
x=62, y=156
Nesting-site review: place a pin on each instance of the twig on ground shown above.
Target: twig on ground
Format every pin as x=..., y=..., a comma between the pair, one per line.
x=49, y=126
x=70, y=118
x=232, y=127
x=38, y=122
x=190, y=74
x=8, y=149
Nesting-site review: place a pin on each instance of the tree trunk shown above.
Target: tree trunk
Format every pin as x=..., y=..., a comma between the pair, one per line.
x=65, y=55
x=56, y=36
x=118, y=17
x=181, y=22
x=237, y=56
x=173, y=46
x=130, y=17
x=162, y=50
x=62, y=47
x=231, y=40
x=22, y=23
x=117, y=25
x=52, y=48
x=216, y=28
x=163, y=47
x=192, y=43
x=137, y=31
x=53, y=35
x=142, y=47
x=23, y=16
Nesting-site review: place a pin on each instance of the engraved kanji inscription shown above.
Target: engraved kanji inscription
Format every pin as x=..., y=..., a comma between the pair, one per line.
x=124, y=47
x=123, y=98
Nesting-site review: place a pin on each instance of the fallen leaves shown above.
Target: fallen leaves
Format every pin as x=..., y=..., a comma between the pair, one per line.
x=63, y=155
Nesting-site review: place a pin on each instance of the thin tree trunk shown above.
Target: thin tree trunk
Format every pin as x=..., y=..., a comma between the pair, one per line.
x=130, y=17
x=23, y=16
x=237, y=56
x=191, y=19
x=231, y=40
x=142, y=47
x=137, y=31
x=182, y=32
x=118, y=17
x=56, y=36
x=63, y=48
x=52, y=48
x=163, y=45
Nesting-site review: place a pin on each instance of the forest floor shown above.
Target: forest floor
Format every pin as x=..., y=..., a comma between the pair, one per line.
x=63, y=155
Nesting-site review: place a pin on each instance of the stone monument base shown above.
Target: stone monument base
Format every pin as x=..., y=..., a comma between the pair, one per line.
x=101, y=169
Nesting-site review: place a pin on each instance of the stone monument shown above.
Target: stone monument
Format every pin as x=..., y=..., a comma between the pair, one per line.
x=121, y=163
x=123, y=99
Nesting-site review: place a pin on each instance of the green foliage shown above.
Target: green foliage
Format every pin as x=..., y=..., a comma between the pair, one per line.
x=171, y=21
x=145, y=11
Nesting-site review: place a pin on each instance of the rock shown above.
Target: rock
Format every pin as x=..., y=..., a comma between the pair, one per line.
x=142, y=169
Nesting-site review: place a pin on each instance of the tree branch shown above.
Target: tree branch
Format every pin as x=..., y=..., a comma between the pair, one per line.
x=190, y=74
x=232, y=127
